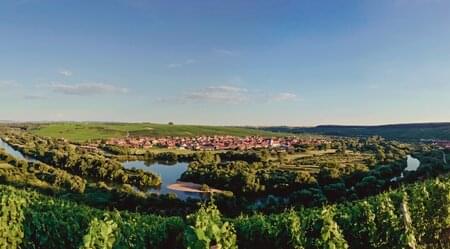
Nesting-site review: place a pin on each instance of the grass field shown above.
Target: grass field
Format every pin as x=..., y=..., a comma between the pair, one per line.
x=81, y=132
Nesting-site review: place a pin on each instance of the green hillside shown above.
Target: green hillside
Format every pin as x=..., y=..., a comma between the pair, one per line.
x=80, y=132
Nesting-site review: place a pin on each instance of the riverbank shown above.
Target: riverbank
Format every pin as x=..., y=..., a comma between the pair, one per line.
x=191, y=187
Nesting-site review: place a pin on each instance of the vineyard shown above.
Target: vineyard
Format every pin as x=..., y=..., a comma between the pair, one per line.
x=415, y=216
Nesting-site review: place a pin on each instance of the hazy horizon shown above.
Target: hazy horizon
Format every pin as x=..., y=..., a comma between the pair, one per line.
x=230, y=125
x=296, y=63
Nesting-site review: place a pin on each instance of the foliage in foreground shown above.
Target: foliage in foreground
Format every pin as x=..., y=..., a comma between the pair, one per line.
x=30, y=220
x=208, y=229
x=416, y=216
x=101, y=234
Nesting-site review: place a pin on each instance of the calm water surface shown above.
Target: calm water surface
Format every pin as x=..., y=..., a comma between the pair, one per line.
x=412, y=163
x=169, y=174
x=15, y=153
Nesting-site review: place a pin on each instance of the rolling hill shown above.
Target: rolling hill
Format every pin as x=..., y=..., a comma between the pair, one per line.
x=83, y=131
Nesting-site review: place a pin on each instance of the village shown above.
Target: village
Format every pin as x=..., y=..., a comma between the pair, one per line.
x=215, y=142
x=444, y=144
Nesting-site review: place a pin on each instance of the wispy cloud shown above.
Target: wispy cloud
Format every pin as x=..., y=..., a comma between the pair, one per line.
x=218, y=94
x=85, y=89
x=186, y=62
x=34, y=97
x=174, y=65
x=65, y=72
x=284, y=97
x=8, y=83
x=231, y=92
x=225, y=52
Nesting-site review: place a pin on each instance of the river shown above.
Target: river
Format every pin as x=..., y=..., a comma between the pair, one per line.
x=169, y=174
x=15, y=153
x=412, y=163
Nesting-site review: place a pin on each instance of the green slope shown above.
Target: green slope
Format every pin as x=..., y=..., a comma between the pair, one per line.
x=80, y=132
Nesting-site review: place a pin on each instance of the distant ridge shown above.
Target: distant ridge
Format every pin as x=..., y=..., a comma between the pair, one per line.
x=411, y=131
x=403, y=125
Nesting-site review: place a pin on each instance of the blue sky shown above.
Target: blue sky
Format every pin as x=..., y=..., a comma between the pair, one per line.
x=226, y=62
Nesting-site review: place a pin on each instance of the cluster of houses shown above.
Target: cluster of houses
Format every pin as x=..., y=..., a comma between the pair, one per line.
x=445, y=144
x=214, y=142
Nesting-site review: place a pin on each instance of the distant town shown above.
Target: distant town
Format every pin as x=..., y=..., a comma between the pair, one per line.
x=215, y=142
x=445, y=144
